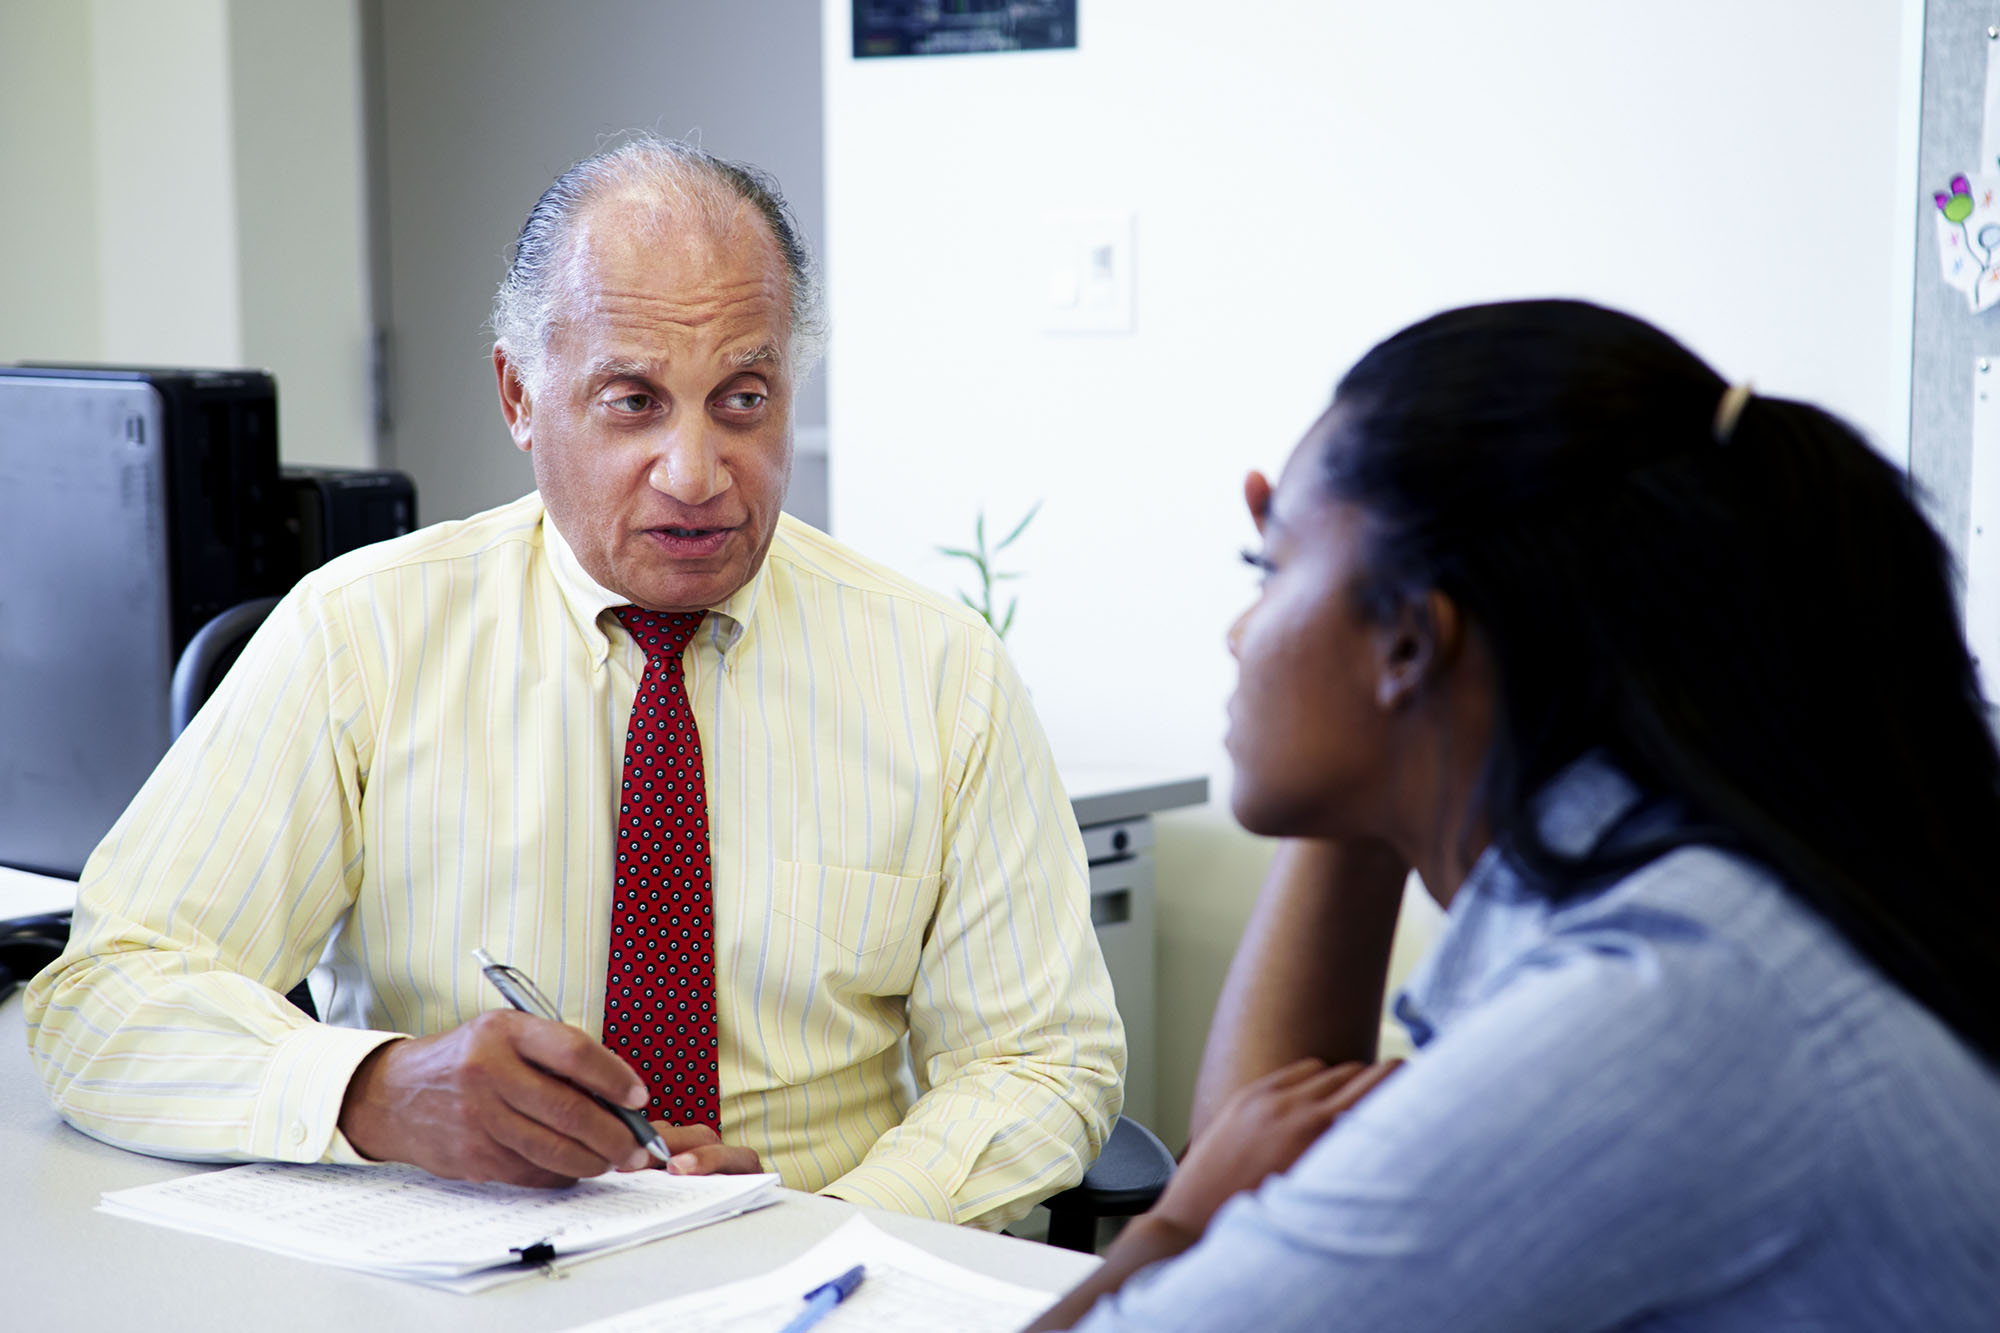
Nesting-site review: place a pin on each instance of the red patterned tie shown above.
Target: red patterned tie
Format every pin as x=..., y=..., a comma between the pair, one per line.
x=659, y=1000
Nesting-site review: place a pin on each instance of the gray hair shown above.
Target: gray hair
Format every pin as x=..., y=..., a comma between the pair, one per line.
x=687, y=181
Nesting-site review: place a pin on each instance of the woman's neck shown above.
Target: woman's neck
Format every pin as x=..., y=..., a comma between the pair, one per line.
x=1444, y=824
x=1444, y=869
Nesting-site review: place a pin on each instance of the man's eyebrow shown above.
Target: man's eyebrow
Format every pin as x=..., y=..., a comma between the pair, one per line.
x=764, y=354
x=606, y=368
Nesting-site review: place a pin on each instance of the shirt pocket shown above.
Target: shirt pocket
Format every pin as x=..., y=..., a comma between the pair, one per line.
x=864, y=929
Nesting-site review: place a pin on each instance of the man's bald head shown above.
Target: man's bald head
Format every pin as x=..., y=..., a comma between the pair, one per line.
x=657, y=183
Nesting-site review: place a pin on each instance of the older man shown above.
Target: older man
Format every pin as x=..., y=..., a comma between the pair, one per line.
x=776, y=823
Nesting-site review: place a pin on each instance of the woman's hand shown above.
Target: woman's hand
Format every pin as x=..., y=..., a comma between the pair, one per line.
x=1263, y=1128
x=1259, y=1131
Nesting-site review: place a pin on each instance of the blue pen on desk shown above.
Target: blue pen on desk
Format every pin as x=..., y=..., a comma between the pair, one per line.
x=821, y=1300
x=514, y=986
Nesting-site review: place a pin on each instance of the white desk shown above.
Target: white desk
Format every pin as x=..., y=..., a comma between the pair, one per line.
x=23, y=894
x=69, y=1267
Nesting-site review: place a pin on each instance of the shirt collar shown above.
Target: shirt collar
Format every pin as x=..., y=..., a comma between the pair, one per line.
x=589, y=601
x=1495, y=917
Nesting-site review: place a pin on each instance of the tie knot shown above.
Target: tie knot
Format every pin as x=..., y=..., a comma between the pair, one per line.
x=660, y=633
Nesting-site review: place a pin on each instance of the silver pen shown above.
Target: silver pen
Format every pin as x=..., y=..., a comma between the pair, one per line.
x=517, y=990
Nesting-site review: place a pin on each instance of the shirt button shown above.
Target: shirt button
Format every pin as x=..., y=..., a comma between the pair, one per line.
x=298, y=1131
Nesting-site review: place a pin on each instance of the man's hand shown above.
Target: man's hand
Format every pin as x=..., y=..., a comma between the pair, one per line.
x=699, y=1151
x=500, y=1098
x=1263, y=1128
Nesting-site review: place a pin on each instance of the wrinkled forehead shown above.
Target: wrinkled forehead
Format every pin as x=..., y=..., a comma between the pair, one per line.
x=686, y=243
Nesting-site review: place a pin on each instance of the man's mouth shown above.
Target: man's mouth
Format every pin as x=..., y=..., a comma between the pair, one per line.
x=674, y=540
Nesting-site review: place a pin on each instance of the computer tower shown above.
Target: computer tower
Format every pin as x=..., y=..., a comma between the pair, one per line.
x=135, y=505
x=328, y=511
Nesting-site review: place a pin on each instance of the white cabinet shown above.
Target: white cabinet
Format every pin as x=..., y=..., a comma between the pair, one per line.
x=1115, y=813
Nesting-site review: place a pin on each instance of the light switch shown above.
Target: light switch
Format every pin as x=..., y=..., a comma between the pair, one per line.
x=1087, y=272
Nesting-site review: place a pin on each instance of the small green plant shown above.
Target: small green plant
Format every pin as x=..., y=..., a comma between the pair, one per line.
x=982, y=560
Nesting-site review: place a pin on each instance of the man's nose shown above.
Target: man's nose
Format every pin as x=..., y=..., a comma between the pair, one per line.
x=1234, y=638
x=689, y=465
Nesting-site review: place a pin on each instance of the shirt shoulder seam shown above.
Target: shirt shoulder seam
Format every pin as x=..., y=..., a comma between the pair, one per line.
x=806, y=551
x=349, y=575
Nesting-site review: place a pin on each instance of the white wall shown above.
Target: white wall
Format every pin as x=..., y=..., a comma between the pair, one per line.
x=1306, y=178
x=480, y=105
x=166, y=183
x=183, y=187
x=294, y=76
x=48, y=203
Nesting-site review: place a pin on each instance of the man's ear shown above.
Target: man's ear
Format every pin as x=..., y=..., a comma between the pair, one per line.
x=516, y=404
x=1420, y=642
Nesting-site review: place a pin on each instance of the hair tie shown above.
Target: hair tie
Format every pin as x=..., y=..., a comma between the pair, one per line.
x=1734, y=399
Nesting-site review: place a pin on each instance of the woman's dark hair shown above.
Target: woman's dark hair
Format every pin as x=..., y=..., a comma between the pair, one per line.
x=1761, y=627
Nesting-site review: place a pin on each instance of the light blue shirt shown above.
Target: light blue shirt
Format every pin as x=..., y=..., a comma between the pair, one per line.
x=1680, y=1102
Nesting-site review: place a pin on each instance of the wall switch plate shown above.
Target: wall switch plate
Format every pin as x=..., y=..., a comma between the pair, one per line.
x=1086, y=273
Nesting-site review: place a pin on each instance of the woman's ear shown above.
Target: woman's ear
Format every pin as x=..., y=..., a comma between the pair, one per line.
x=1420, y=641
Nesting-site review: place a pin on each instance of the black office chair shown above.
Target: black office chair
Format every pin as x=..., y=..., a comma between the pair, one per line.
x=27, y=945
x=1126, y=1179
x=209, y=655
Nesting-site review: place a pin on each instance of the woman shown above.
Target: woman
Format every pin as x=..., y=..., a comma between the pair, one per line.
x=1659, y=686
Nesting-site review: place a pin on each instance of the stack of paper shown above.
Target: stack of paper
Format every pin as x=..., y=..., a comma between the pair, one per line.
x=406, y=1223
x=903, y=1290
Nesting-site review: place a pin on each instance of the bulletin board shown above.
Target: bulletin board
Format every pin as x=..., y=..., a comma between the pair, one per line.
x=1955, y=368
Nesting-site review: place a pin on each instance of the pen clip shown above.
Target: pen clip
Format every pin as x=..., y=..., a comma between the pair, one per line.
x=517, y=987
x=842, y=1286
x=540, y=1255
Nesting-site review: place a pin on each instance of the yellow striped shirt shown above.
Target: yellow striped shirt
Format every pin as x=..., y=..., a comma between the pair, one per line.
x=419, y=754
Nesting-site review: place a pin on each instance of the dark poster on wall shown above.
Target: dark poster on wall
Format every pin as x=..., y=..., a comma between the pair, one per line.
x=961, y=27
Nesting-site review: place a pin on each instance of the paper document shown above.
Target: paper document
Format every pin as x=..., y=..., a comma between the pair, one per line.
x=906, y=1290
x=402, y=1222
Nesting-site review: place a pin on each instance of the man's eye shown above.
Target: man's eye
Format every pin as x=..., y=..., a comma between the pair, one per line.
x=743, y=401
x=1258, y=561
x=632, y=402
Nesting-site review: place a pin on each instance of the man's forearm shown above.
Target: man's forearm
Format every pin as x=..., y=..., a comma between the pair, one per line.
x=1308, y=976
x=152, y=1050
